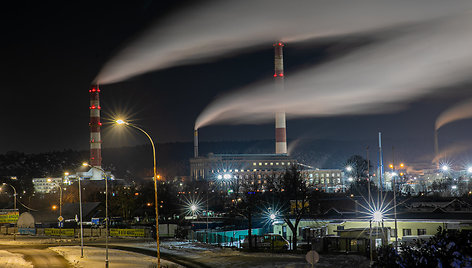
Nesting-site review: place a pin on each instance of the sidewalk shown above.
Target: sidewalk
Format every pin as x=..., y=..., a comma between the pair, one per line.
x=95, y=257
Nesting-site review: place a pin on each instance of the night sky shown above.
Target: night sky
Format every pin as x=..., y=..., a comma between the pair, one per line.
x=51, y=52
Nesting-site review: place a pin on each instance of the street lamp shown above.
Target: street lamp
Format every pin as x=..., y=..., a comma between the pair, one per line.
x=14, y=194
x=80, y=212
x=14, y=204
x=60, y=206
x=122, y=122
x=85, y=164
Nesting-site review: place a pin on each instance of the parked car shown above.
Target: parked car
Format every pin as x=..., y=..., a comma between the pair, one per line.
x=269, y=241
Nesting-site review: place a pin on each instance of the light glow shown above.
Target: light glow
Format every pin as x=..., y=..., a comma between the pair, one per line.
x=377, y=216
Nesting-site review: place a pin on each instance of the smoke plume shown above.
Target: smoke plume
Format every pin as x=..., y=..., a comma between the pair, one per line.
x=378, y=78
x=460, y=111
x=214, y=28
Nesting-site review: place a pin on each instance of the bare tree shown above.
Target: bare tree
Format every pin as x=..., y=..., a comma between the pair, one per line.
x=246, y=202
x=292, y=193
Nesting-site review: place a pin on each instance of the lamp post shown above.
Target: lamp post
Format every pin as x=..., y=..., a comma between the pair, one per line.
x=60, y=206
x=106, y=209
x=122, y=122
x=81, y=224
x=14, y=203
x=14, y=194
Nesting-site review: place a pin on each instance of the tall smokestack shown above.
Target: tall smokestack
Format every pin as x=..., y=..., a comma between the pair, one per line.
x=195, y=143
x=280, y=126
x=436, y=148
x=95, y=140
x=381, y=167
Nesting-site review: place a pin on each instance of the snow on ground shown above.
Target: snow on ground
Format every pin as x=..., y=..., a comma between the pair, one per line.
x=95, y=257
x=227, y=257
x=13, y=260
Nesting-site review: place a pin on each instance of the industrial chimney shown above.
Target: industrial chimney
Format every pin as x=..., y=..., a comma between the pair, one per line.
x=95, y=140
x=280, y=127
x=195, y=143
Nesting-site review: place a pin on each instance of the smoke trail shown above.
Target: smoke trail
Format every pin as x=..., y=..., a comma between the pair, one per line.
x=462, y=110
x=452, y=150
x=377, y=78
x=219, y=27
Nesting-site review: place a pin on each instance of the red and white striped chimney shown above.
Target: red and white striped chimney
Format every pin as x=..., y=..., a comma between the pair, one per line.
x=95, y=124
x=280, y=127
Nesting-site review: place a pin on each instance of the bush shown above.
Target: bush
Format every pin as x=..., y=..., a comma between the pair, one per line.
x=448, y=248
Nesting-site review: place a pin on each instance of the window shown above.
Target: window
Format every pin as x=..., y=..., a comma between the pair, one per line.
x=322, y=180
x=271, y=163
x=421, y=231
x=283, y=163
x=392, y=232
x=260, y=164
x=277, y=163
x=254, y=163
x=406, y=231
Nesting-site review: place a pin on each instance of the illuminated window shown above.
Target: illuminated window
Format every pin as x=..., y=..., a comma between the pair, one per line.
x=265, y=163
x=271, y=163
x=283, y=163
x=322, y=180
x=254, y=164
x=322, y=175
x=260, y=164
x=421, y=231
x=327, y=175
x=327, y=180
x=254, y=170
x=277, y=163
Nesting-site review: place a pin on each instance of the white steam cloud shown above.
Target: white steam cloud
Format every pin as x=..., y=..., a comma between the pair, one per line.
x=459, y=111
x=376, y=78
x=218, y=27
x=373, y=79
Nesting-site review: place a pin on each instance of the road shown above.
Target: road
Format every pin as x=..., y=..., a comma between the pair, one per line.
x=39, y=256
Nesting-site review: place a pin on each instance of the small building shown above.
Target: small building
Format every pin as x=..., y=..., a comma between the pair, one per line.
x=46, y=185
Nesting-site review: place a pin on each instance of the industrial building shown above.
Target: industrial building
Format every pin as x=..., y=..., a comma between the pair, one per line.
x=261, y=166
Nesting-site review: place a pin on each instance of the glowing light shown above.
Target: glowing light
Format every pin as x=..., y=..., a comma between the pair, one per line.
x=227, y=176
x=120, y=122
x=391, y=166
x=281, y=74
x=85, y=164
x=469, y=170
x=220, y=177
x=402, y=165
x=272, y=216
x=454, y=187
x=350, y=179
x=193, y=208
x=349, y=168
x=377, y=216
x=444, y=168
x=275, y=75
x=54, y=207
